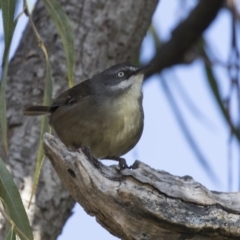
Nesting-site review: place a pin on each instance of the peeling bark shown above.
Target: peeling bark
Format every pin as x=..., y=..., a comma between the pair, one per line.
x=145, y=203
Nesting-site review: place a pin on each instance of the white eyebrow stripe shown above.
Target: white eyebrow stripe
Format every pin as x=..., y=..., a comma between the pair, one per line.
x=123, y=84
x=132, y=68
x=134, y=80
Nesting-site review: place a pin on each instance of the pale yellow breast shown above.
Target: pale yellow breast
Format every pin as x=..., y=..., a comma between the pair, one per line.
x=129, y=111
x=126, y=121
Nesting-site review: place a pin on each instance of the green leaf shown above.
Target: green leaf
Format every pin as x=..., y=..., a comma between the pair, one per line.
x=44, y=127
x=11, y=235
x=211, y=78
x=184, y=127
x=156, y=38
x=12, y=200
x=8, y=9
x=3, y=118
x=46, y=101
x=214, y=87
x=189, y=103
x=64, y=28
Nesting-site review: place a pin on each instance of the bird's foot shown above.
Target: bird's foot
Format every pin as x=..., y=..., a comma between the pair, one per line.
x=121, y=162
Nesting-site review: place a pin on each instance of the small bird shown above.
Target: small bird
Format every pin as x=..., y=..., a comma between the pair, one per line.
x=104, y=113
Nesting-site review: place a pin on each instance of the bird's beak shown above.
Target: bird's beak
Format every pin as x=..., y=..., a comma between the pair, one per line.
x=142, y=70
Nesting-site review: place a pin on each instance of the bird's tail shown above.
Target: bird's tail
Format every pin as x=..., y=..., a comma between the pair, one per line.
x=36, y=110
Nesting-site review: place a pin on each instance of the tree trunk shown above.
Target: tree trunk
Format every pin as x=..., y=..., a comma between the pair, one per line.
x=106, y=32
x=144, y=203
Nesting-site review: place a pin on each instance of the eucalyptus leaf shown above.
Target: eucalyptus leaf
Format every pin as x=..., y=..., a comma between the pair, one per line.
x=8, y=9
x=11, y=235
x=64, y=28
x=213, y=84
x=13, y=202
x=187, y=133
x=44, y=127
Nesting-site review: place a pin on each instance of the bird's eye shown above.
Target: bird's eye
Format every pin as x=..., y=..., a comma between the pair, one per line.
x=120, y=74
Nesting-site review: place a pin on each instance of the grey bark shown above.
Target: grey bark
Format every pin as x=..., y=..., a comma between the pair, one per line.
x=106, y=32
x=144, y=203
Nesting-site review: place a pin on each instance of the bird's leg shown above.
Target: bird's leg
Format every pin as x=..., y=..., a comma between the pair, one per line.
x=87, y=151
x=121, y=162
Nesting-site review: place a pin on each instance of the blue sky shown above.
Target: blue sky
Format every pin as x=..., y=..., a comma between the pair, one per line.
x=163, y=145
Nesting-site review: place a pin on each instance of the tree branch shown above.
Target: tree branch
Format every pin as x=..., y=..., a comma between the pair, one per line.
x=144, y=203
x=185, y=35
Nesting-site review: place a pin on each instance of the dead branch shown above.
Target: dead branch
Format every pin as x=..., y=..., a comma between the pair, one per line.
x=145, y=203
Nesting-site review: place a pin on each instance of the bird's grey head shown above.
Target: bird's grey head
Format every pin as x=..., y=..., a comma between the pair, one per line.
x=121, y=76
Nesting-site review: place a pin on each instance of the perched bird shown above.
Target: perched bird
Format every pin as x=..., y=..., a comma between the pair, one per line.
x=104, y=112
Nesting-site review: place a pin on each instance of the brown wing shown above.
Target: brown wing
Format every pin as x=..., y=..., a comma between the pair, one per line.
x=72, y=95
